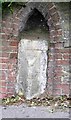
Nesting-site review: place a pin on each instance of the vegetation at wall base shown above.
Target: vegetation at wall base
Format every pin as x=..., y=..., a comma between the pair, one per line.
x=61, y=102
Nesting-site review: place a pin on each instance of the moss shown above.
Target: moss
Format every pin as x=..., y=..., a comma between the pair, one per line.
x=8, y=7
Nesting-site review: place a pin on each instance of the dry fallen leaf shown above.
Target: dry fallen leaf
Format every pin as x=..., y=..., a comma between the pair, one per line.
x=53, y=102
x=20, y=93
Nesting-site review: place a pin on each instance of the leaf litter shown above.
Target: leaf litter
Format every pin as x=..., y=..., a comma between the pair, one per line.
x=51, y=102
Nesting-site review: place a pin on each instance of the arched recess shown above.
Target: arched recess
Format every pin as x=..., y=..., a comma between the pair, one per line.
x=51, y=15
x=32, y=53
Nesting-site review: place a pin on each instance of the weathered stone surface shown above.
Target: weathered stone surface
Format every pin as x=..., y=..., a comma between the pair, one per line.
x=32, y=64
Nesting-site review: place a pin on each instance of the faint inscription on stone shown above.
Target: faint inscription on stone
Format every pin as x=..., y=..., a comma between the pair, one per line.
x=32, y=64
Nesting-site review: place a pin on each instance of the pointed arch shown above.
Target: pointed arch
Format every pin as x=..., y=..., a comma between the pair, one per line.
x=51, y=15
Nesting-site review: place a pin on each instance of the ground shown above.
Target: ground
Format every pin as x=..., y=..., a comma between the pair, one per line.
x=39, y=107
x=23, y=111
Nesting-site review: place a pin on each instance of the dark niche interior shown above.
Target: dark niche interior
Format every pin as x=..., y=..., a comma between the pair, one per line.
x=36, y=26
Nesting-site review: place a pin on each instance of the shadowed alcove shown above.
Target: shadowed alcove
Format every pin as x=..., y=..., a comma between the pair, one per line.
x=32, y=55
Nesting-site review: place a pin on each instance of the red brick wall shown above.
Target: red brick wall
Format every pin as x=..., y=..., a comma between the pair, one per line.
x=57, y=61
x=58, y=56
x=8, y=59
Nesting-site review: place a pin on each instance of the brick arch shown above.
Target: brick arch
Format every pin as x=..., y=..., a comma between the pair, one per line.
x=51, y=15
x=10, y=32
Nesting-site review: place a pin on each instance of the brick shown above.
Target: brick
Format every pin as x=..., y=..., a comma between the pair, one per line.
x=56, y=38
x=65, y=87
x=10, y=66
x=5, y=48
x=15, y=26
x=56, y=82
x=62, y=51
x=4, y=66
x=4, y=23
x=47, y=16
x=3, y=95
x=59, y=68
x=11, y=90
x=58, y=45
x=7, y=30
x=13, y=61
x=16, y=20
x=3, y=76
x=49, y=92
x=9, y=94
x=12, y=78
x=4, y=60
x=5, y=42
x=8, y=18
x=0, y=53
x=62, y=86
x=57, y=92
x=51, y=57
x=14, y=43
x=58, y=73
x=2, y=83
x=5, y=36
x=5, y=55
x=9, y=25
x=15, y=38
x=51, y=63
x=50, y=5
x=57, y=79
x=49, y=80
x=0, y=30
x=52, y=32
x=13, y=55
x=58, y=56
x=66, y=56
x=55, y=18
x=65, y=92
x=53, y=10
x=57, y=32
x=58, y=27
x=50, y=22
x=63, y=62
x=12, y=49
x=69, y=56
x=50, y=68
x=3, y=89
x=10, y=84
x=15, y=32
